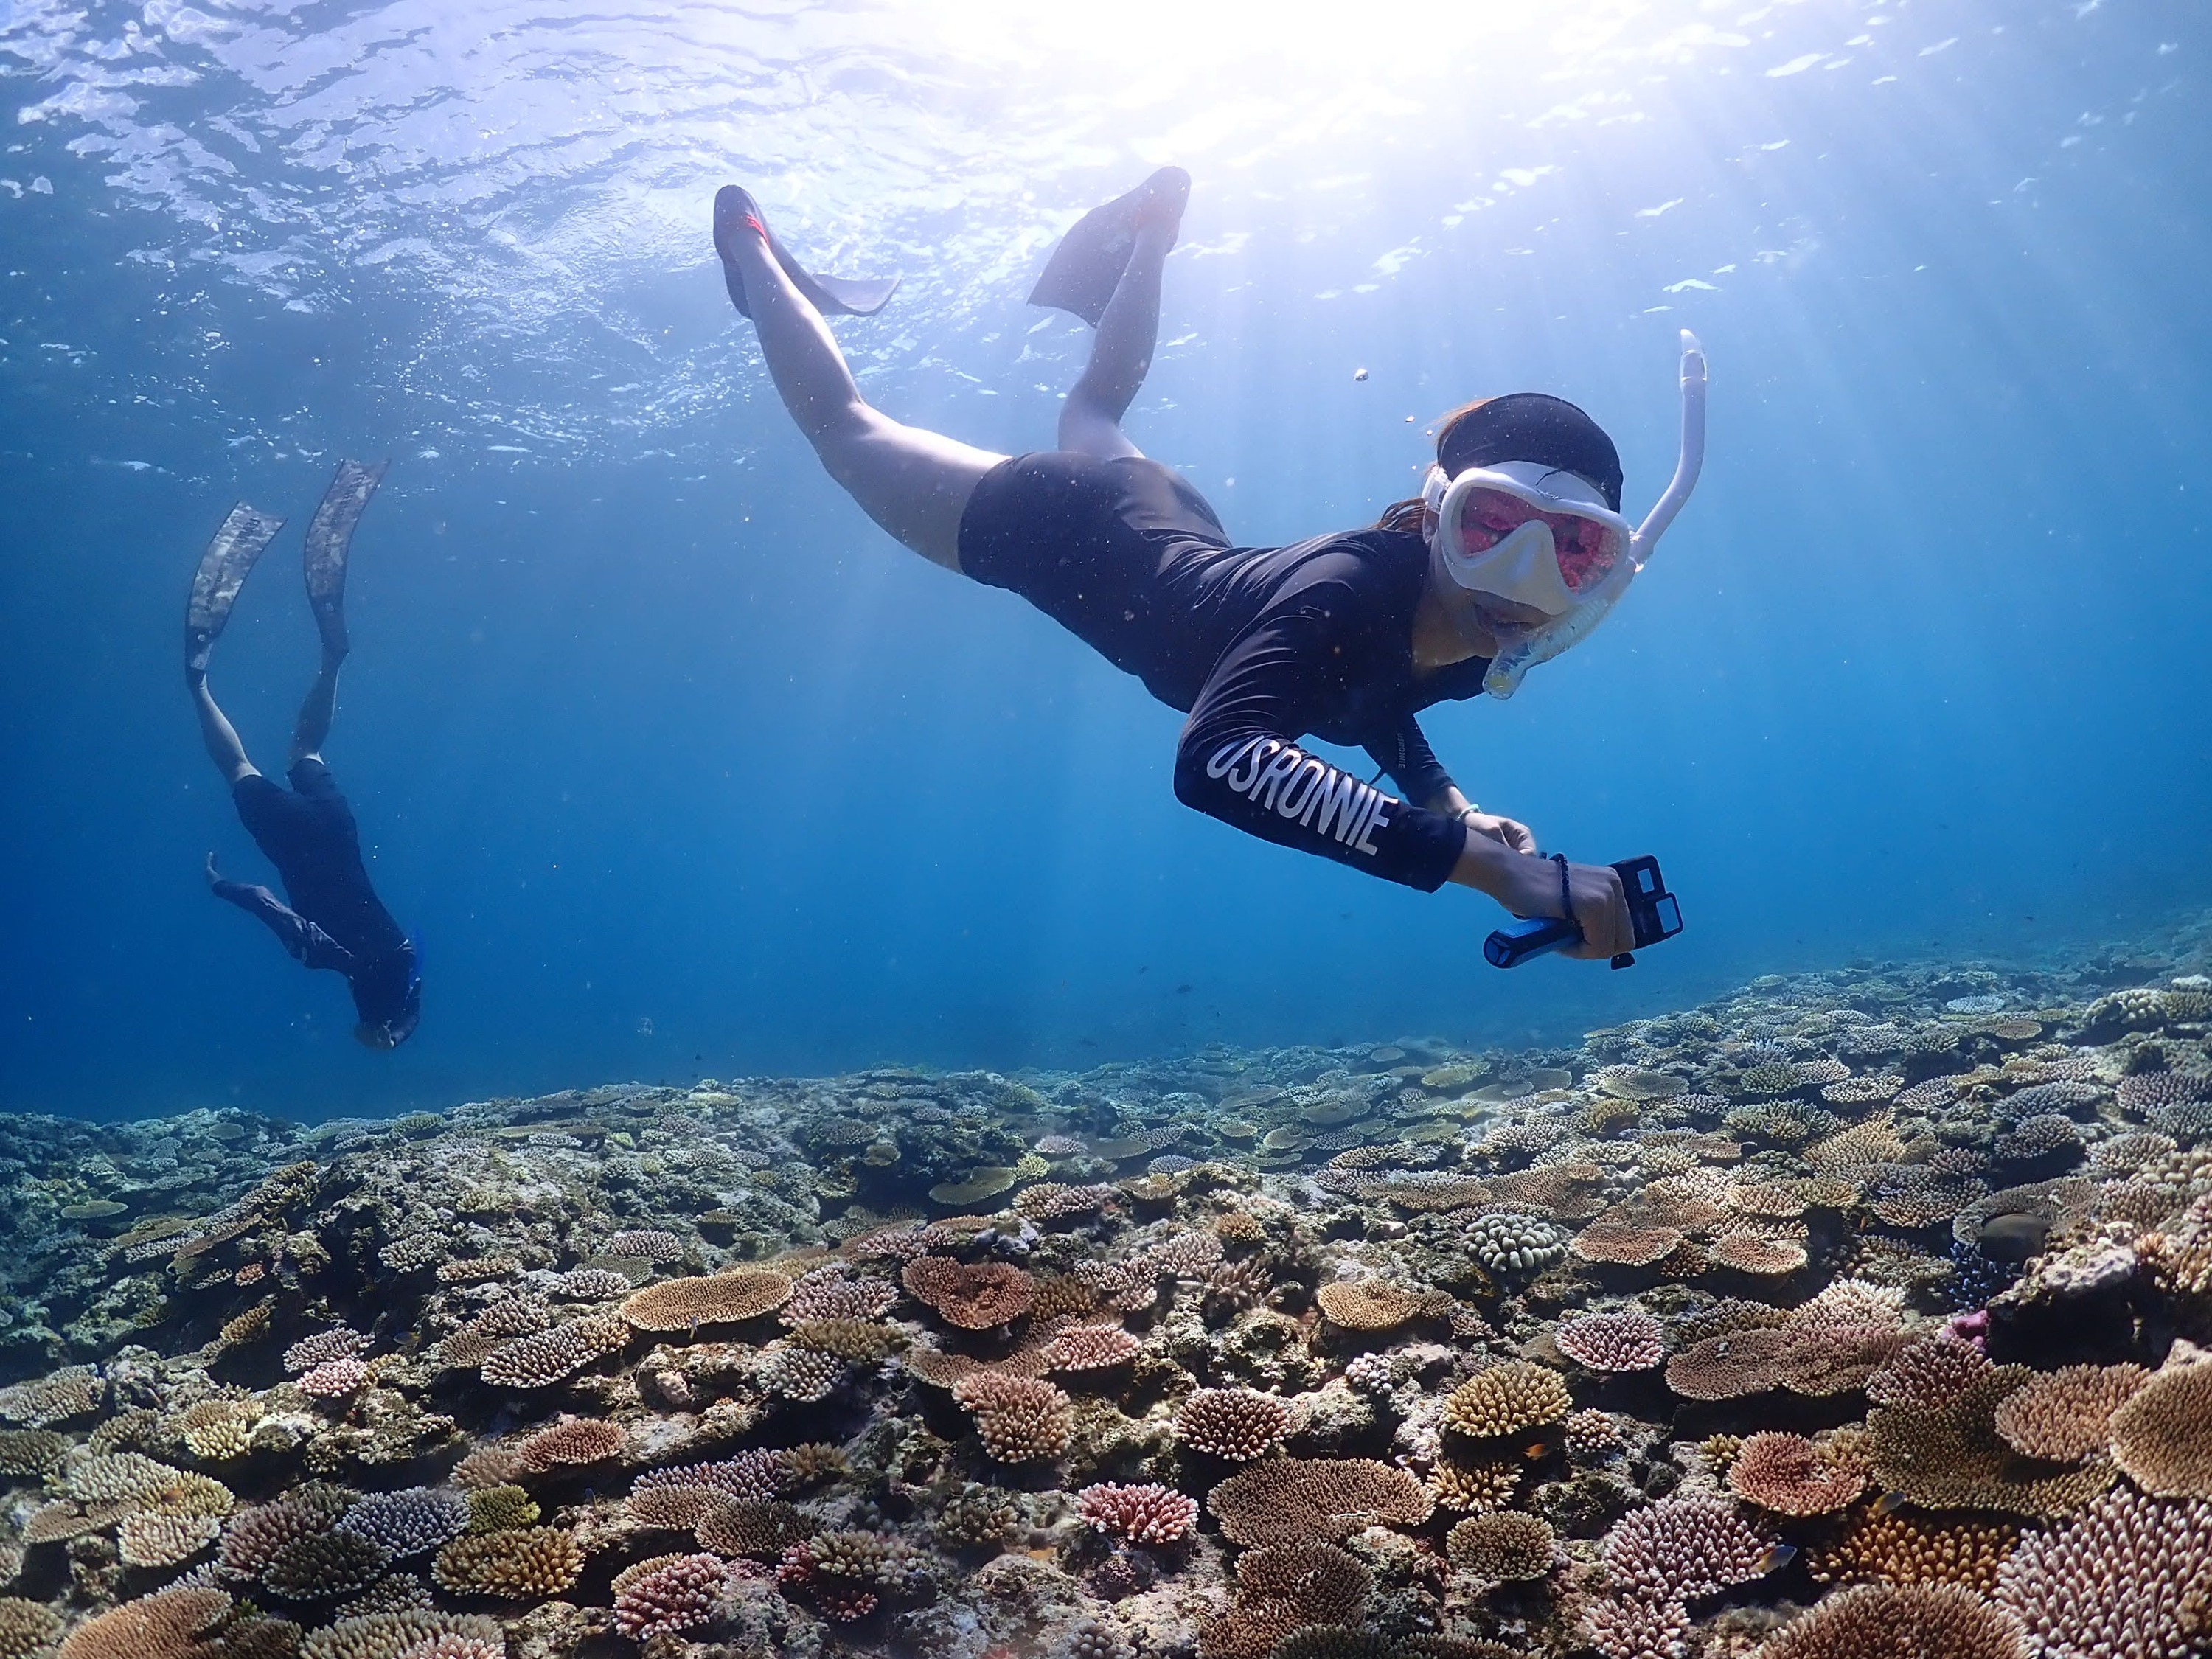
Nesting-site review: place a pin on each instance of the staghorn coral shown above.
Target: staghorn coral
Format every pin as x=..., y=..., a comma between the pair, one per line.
x=1899, y=1548
x=524, y=1564
x=1280, y=1590
x=1628, y=1340
x=976, y=1516
x=1506, y=1399
x=1901, y=1621
x=1788, y=1474
x=1020, y=1420
x=757, y=1472
x=802, y=1374
x=2130, y=1577
x=1632, y=1628
x=1294, y=1500
x=325, y=1566
x=1236, y=1424
x=1506, y=1548
x=2161, y=1436
x=665, y=1593
x=685, y=1304
x=974, y=1297
x=830, y=1293
x=1142, y=1515
x=2064, y=1416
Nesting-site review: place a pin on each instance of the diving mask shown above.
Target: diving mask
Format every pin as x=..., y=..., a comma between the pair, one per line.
x=1538, y=536
x=1526, y=532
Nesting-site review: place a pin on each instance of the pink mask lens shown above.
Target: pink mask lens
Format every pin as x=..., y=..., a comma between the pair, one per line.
x=1586, y=549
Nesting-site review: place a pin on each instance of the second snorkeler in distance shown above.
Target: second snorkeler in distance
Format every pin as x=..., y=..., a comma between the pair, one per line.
x=1514, y=551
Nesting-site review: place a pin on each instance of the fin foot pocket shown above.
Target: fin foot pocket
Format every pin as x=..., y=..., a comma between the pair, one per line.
x=1086, y=267
x=850, y=296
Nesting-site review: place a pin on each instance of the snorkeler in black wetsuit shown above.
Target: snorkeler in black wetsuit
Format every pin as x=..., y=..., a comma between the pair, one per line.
x=335, y=920
x=1511, y=556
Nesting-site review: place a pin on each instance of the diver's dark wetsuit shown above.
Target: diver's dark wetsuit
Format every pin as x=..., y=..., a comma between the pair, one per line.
x=335, y=919
x=1258, y=645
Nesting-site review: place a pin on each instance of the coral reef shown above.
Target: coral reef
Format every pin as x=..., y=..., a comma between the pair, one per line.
x=1864, y=1312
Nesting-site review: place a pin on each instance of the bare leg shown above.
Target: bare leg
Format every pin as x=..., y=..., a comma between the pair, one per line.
x=913, y=482
x=312, y=728
x=216, y=732
x=1128, y=329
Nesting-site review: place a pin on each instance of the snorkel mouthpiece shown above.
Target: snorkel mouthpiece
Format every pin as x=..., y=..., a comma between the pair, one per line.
x=1543, y=644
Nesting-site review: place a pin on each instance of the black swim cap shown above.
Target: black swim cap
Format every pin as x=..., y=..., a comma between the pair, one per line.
x=1533, y=426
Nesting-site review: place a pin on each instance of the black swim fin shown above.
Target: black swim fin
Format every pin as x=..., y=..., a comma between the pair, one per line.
x=329, y=539
x=1086, y=267
x=230, y=559
x=854, y=296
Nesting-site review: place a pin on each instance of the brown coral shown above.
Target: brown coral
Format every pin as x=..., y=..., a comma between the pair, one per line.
x=1476, y=1487
x=1682, y=1548
x=1901, y=1621
x=1507, y=1548
x=1090, y=1348
x=1951, y=1456
x=1627, y=1340
x=1788, y=1474
x=2162, y=1436
x=2130, y=1577
x=1375, y=1304
x=525, y=1563
x=1280, y=1590
x=25, y=1627
x=665, y=1593
x=685, y=1304
x=1296, y=1500
x=2064, y=1416
x=975, y=1297
x=573, y=1440
x=164, y=1625
x=1020, y=1420
x=1899, y=1548
x=1236, y=1423
x=1506, y=1399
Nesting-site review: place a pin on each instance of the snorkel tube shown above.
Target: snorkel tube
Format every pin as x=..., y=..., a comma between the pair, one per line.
x=1543, y=644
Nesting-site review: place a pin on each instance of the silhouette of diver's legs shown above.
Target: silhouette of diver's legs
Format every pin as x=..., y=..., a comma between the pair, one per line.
x=313, y=729
x=916, y=484
x=1128, y=329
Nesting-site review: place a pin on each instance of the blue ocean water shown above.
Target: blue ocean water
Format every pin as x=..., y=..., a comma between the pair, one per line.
x=681, y=767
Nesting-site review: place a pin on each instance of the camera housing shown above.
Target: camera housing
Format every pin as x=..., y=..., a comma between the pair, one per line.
x=1654, y=913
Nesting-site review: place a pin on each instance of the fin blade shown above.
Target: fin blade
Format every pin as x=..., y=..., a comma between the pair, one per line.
x=236, y=547
x=1086, y=267
x=330, y=542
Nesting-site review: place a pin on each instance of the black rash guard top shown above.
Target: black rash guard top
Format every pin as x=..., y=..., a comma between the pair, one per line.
x=1260, y=646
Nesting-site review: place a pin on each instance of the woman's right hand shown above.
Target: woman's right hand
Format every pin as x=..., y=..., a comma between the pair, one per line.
x=1593, y=896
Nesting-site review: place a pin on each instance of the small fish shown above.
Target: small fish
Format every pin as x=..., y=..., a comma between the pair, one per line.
x=1780, y=1556
x=1888, y=1503
x=1359, y=374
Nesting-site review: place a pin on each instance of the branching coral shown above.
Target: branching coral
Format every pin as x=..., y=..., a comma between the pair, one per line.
x=1628, y=1340
x=1374, y=1304
x=1020, y=1420
x=1506, y=1547
x=2130, y=1577
x=2064, y=1416
x=1788, y=1474
x=1142, y=1515
x=524, y=1564
x=1894, y=1621
x=665, y=1593
x=1236, y=1423
x=1507, y=1399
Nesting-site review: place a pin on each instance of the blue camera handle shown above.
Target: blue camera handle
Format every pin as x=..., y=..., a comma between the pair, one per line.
x=1522, y=941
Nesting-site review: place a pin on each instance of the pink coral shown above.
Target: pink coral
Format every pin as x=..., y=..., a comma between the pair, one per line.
x=1142, y=1515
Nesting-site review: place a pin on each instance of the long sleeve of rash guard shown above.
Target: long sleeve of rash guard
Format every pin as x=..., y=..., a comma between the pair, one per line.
x=1413, y=765
x=1239, y=761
